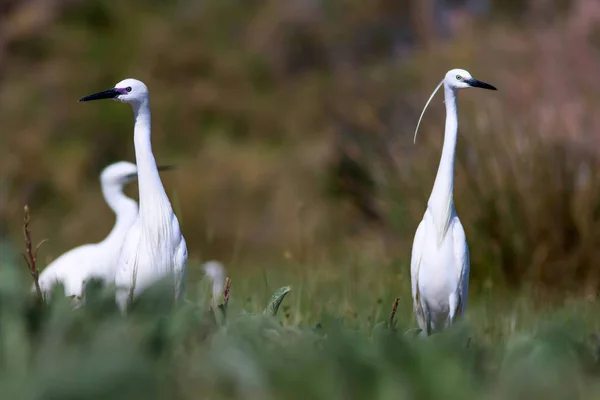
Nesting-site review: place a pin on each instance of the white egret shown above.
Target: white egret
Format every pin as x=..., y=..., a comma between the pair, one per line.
x=154, y=247
x=97, y=260
x=215, y=271
x=440, y=254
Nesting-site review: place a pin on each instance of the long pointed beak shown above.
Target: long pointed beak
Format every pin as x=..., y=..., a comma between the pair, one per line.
x=131, y=177
x=479, y=84
x=166, y=167
x=107, y=94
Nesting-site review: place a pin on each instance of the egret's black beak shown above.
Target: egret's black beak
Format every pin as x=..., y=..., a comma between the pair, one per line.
x=475, y=83
x=107, y=94
x=160, y=168
x=130, y=177
x=166, y=167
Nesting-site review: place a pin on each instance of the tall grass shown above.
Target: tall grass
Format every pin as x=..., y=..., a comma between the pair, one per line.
x=157, y=352
x=292, y=133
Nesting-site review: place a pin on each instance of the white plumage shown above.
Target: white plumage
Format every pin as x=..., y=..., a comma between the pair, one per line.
x=440, y=254
x=98, y=260
x=154, y=247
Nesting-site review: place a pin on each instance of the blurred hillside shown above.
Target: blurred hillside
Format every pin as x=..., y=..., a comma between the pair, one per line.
x=291, y=123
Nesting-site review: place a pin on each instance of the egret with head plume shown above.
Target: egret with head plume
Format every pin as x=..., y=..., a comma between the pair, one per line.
x=440, y=254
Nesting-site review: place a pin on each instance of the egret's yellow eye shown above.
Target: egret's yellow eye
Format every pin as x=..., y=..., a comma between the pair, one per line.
x=458, y=77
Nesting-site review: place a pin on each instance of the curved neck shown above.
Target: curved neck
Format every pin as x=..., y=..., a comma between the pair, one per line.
x=151, y=190
x=441, y=202
x=125, y=209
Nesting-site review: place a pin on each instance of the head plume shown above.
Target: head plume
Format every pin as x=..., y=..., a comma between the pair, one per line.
x=425, y=108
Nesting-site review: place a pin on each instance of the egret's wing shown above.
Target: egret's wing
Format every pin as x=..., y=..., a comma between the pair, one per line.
x=415, y=258
x=179, y=260
x=415, y=264
x=127, y=265
x=128, y=257
x=462, y=259
x=180, y=269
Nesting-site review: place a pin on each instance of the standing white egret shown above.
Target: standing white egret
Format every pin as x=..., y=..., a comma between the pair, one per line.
x=97, y=260
x=440, y=255
x=154, y=247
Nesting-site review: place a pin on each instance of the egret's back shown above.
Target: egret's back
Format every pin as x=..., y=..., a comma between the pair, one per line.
x=74, y=267
x=69, y=269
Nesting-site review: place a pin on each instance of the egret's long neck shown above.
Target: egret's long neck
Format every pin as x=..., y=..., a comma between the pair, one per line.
x=125, y=210
x=441, y=202
x=152, y=192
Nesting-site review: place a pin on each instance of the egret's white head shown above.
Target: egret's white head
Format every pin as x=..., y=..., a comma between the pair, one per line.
x=127, y=91
x=216, y=273
x=119, y=173
x=461, y=79
x=123, y=172
x=455, y=79
x=214, y=270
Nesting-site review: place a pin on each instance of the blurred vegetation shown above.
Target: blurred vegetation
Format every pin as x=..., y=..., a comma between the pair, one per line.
x=301, y=349
x=292, y=123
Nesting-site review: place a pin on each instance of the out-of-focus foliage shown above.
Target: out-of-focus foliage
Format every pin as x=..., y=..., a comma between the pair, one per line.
x=292, y=122
x=92, y=352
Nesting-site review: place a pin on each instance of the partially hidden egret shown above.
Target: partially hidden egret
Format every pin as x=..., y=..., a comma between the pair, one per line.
x=97, y=260
x=154, y=247
x=215, y=271
x=440, y=255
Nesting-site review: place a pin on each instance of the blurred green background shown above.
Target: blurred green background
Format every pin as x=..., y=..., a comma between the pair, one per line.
x=292, y=121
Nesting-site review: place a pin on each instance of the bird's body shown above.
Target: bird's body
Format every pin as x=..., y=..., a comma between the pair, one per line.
x=440, y=275
x=151, y=252
x=154, y=247
x=70, y=270
x=98, y=260
x=440, y=255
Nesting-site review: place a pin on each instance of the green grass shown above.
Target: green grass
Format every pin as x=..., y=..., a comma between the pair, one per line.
x=330, y=339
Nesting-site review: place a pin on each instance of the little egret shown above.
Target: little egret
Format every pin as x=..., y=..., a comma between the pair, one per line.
x=97, y=260
x=154, y=247
x=440, y=255
x=215, y=271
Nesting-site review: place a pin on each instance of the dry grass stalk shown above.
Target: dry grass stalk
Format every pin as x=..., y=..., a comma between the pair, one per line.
x=30, y=255
x=394, y=310
x=226, y=291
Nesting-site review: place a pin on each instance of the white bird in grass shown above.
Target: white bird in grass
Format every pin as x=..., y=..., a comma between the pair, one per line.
x=440, y=255
x=97, y=260
x=154, y=247
x=215, y=271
